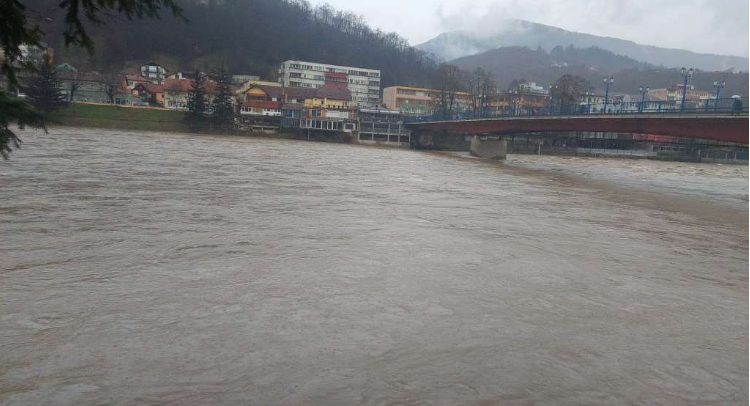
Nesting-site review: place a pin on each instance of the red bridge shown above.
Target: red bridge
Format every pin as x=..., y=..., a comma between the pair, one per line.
x=715, y=127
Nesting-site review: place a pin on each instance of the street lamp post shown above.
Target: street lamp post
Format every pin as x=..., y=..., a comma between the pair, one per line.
x=552, y=88
x=686, y=74
x=643, y=91
x=718, y=85
x=607, y=81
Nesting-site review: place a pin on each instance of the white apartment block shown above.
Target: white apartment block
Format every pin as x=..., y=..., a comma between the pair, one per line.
x=363, y=83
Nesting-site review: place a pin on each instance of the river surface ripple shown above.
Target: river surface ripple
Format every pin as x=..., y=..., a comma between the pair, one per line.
x=170, y=269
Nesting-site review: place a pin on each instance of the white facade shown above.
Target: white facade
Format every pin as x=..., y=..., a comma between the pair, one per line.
x=153, y=72
x=532, y=87
x=363, y=83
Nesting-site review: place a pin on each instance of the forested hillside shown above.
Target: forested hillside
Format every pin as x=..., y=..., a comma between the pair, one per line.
x=250, y=36
x=509, y=63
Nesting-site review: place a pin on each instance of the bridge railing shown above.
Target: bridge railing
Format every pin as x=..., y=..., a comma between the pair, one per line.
x=737, y=106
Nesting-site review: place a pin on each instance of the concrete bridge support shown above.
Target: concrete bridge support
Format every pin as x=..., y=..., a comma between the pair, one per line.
x=490, y=148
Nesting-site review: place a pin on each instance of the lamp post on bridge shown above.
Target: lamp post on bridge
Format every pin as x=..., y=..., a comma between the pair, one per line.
x=686, y=74
x=643, y=91
x=552, y=89
x=718, y=85
x=514, y=94
x=607, y=82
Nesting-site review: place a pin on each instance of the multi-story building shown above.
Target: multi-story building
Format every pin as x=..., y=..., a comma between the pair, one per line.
x=364, y=84
x=154, y=72
x=417, y=101
x=326, y=108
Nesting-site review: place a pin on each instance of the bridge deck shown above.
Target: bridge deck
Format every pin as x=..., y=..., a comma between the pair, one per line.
x=716, y=127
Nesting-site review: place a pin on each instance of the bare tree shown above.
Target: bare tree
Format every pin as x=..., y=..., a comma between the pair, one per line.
x=567, y=91
x=481, y=85
x=75, y=83
x=515, y=84
x=450, y=80
x=111, y=84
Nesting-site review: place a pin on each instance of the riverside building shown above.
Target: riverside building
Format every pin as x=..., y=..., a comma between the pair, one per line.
x=364, y=84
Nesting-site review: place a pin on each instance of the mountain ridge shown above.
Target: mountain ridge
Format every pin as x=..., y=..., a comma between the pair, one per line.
x=457, y=43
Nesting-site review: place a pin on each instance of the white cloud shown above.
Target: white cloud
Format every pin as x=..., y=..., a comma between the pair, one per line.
x=707, y=26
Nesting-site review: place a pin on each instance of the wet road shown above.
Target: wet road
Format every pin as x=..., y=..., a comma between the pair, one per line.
x=167, y=269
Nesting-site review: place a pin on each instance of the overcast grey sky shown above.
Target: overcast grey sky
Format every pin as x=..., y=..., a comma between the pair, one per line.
x=707, y=26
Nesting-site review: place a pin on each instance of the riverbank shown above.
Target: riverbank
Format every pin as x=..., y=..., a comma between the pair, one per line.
x=119, y=117
x=113, y=117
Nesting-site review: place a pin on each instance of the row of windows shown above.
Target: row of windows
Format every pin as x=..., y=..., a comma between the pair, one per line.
x=325, y=125
x=328, y=69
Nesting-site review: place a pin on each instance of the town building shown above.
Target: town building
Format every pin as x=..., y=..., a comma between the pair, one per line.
x=238, y=80
x=150, y=93
x=176, y=93
x=381, y=126
x=93, y=87
x=364, y=84
x=518, y=103
x=675, y=93
x=154, y=72
x=532, y=87
x=417, y=101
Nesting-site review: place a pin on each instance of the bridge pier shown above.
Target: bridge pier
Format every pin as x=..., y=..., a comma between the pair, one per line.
x=491, y=148
x=442, y=141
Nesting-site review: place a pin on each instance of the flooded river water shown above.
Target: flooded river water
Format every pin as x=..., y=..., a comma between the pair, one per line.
x=169, y=269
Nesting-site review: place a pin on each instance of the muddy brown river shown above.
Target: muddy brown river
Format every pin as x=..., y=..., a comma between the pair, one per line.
x=168, y=269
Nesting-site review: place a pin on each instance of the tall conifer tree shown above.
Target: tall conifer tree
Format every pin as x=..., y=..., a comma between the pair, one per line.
x=44, y=90
x=223, y=108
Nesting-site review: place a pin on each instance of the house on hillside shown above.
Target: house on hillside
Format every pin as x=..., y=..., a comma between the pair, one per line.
x=154, y=72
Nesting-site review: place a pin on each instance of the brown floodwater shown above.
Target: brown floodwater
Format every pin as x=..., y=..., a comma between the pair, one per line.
x=170, y=269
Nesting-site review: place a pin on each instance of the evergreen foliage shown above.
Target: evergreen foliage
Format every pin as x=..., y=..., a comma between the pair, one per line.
x=223, y=108
x=197, y=103
x=44, y=90
x=21, y=25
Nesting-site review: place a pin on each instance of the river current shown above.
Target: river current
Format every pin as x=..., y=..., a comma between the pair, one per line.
x=170, y=269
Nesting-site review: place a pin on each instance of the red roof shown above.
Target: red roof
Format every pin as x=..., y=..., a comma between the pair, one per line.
x=185, y=85
x=299, y=93
x=136, y=78
x=150, y=87
x=334, y=92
